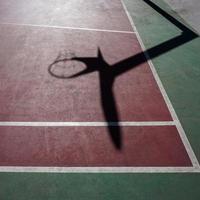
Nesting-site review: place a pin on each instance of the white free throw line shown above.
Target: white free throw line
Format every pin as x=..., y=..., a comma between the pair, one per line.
x=100, y=169
x=179, y=127
x=68, y=27
x=56, y=124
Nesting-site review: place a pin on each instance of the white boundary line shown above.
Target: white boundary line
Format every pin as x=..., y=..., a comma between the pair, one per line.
x=194, y=169
x=63, y=124
x=67, y=27
x=100, y=169
x=180, y=129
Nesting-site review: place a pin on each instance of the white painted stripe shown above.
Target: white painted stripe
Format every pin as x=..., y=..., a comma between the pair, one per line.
x=180, y=129
x=194, y=169
x=57, y=124
x=100, y=169
x=67, y=27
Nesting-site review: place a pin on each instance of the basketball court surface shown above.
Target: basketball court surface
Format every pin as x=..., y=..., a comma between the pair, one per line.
x=82, y=92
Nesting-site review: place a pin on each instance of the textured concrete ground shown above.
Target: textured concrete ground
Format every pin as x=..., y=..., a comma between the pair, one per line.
x=177, y=64
x=189, y=10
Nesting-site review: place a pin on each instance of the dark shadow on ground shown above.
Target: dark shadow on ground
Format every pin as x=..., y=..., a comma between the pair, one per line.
x=108, y=73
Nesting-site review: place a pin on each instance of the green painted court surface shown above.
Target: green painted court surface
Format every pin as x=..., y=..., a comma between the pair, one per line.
x=179, y=71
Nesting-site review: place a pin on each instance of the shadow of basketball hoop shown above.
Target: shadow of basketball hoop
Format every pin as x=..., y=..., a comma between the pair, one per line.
x=108, y=73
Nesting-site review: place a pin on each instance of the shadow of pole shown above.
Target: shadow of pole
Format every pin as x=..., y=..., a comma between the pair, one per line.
x=107, y=73
x=106, y=78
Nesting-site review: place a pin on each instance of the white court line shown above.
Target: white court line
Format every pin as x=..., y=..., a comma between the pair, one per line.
x=195, y=168
x=68, y=27
x=180, y=129
x=57, y=124
x=100, y=169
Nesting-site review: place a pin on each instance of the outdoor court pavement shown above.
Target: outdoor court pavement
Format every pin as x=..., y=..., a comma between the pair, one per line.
x=79, y=92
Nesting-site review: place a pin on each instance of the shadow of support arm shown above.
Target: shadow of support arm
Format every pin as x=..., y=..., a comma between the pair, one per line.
x=133, y=61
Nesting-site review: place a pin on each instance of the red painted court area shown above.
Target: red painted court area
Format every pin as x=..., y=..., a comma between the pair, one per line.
x=91, y=146
x=30, y=93
x=118, y=87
